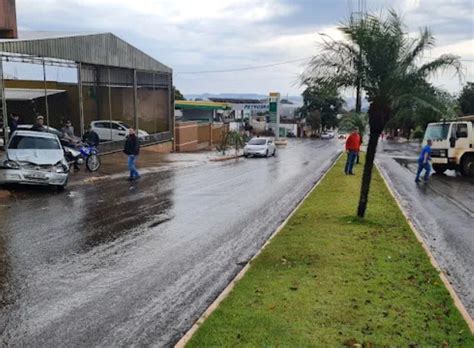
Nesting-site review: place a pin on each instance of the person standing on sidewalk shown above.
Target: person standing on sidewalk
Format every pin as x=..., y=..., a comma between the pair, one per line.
x=132, y=149
x=352, y=149
x=424, y=162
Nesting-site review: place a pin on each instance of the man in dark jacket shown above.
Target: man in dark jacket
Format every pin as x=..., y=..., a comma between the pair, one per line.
x=132, y=149
x=90, y=137
x=13, y=122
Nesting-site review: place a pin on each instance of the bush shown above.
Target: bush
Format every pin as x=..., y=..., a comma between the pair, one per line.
x=419, y=133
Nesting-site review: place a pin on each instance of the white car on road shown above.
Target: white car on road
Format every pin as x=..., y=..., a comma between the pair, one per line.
x=260, y=147
x=326, y=135
x=113, y=130
x=35, y=158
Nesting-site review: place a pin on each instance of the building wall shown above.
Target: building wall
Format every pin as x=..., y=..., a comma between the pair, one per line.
x=186, y=136
x=197, y=115
x=8, y=26
x=61, y=106
x=204, y=135
x=194, y=136
x=153, y=106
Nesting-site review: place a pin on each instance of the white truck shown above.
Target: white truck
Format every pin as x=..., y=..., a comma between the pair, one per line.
x=453, y=145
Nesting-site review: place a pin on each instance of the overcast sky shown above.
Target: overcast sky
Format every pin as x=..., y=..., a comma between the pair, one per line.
x=201, y=35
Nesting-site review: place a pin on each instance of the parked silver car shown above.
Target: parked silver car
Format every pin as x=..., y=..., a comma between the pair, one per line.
x=114, y=130
x=35, y=158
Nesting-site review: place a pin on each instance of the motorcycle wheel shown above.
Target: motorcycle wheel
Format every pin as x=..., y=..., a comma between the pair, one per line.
x=93, y=163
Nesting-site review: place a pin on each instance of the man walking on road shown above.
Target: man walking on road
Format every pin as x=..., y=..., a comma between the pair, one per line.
x=132, y=149
x=352, y=149
x=424, y=162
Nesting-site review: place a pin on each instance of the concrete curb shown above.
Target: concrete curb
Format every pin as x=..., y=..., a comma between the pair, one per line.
x=188, y=335
x=225, y=158
x=281, y=142
x=457, y=302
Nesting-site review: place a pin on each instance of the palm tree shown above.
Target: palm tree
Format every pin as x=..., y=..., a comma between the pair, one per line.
x=378, y=53
x=354, y=120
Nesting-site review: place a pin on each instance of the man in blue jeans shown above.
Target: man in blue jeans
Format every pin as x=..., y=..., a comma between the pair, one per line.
x=352, y=148
x=424, y=161
x=132, y=149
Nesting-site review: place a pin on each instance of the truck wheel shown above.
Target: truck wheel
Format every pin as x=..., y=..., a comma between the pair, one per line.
x=440, y=168
x=467, y=166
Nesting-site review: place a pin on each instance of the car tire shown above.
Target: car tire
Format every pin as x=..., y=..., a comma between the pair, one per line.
x=266, y=154
x=467, y=166
x=61, y=188
x=274, y=152
x=440, y=168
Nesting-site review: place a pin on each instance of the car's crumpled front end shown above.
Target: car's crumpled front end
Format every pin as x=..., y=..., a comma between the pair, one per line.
x=16, y=172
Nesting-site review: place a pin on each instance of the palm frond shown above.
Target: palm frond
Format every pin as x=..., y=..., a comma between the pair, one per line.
x=442, y=63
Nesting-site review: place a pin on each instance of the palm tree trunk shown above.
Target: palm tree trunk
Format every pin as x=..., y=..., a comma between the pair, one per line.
x=367, y=176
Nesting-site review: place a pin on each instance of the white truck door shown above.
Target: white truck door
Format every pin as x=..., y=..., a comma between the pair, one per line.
x=463, y=135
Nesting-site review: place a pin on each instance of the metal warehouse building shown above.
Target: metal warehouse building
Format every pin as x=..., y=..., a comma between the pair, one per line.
x=112, y=80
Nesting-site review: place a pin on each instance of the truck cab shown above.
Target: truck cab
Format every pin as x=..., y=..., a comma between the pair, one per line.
x=453, y=145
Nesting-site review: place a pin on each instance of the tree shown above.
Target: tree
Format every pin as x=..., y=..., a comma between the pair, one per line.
x=466, y=99
x=354, y=120
x=321, y=104
x=178, y=95
x=412, y=114
x=378, y=54
x=313, y=118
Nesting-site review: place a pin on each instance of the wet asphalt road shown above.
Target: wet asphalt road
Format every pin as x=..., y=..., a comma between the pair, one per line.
x=443, y=212
x=106, y=264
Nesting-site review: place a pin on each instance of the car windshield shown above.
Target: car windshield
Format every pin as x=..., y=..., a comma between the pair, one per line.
x=437, y=131
x=25, y=142
x=125, y=125
x=257, y=142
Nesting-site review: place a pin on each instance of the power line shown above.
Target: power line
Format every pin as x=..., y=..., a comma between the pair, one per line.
x=257, y=67
x=244, y=68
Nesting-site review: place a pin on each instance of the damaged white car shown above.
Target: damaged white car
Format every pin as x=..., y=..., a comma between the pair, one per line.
x=35, y=158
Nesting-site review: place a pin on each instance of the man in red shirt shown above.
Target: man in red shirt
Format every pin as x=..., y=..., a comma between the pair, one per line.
x=352, y=149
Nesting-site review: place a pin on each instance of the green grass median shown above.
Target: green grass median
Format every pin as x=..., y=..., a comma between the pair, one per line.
x=330, y=279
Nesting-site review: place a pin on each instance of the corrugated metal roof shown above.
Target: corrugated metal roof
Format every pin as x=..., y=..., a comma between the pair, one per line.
x=89, y=48
x=28, y=93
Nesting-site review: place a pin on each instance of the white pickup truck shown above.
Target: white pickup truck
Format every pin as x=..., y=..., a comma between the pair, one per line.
x=453, y=145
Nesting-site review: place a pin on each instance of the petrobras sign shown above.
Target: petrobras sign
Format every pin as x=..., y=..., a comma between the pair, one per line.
x=274, y=100
x=256, y=107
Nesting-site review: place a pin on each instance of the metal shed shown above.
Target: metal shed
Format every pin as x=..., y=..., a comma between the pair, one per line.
x=103, y=61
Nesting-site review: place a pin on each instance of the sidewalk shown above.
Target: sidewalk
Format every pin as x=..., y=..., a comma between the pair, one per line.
x=330, y=279
x=115, y=164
